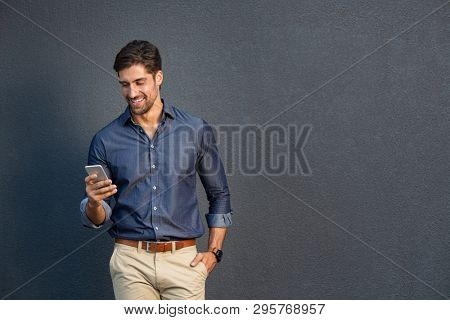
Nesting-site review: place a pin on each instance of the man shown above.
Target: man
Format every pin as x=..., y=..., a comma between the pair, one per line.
x=152, y=153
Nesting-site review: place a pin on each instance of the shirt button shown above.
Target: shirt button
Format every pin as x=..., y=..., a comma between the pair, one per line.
x=154, y=208
x=153, y=166
x=156, y=228
x=140, y=130
x=154, y=187
x=152, y=146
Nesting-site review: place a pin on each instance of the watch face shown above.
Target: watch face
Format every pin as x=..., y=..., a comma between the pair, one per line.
x=219, y=255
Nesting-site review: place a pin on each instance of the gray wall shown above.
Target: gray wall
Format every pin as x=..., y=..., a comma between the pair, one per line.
x=370, y=222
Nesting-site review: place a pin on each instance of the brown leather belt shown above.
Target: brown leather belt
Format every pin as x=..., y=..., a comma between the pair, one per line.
x=152, y=246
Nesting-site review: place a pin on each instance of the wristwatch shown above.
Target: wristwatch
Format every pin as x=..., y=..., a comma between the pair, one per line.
x=217, y=253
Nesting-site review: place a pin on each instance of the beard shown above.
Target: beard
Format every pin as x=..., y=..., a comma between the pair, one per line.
x=146, y=106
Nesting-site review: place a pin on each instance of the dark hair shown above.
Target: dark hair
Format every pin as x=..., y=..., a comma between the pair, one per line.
x=139, y=51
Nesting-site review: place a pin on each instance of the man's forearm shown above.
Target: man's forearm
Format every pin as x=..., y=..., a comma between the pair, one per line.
x=216, y=238
x=95, y=212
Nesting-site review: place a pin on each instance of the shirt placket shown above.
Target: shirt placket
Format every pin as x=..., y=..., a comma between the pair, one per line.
x=155, y=215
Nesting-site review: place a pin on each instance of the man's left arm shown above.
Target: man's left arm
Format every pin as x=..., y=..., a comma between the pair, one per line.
x=212, y=175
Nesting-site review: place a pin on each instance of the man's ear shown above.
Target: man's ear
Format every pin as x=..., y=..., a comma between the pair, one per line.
x=159, y=77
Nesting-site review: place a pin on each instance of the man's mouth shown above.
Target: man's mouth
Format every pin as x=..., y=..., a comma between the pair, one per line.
x=137, y=102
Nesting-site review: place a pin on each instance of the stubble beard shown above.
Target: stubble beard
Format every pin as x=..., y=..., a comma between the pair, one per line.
x=138, y=111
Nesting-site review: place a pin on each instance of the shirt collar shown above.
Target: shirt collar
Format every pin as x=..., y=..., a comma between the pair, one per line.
x=167, y=110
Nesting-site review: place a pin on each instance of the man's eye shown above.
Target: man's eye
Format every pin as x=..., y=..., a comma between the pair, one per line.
x=124, y=85
x=139, y=83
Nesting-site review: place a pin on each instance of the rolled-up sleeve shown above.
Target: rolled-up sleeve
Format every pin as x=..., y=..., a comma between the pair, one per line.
x=212, y=175
x=97, y=155
x=85, y=219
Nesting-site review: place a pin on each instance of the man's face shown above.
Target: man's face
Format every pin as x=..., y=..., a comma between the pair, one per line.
x=139, y=88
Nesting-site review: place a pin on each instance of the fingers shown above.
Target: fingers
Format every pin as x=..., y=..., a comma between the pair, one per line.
x=90, y=179
x=91, y=183
x=210, y=261
x=102, y=193
x=99, y=190
x=205, y=258
x=107, y=189
x=101, y=184
x=108, y=194
x=197, y=259
x=102, y=196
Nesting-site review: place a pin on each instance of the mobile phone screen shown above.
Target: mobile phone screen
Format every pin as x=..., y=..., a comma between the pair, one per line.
x=98, y=170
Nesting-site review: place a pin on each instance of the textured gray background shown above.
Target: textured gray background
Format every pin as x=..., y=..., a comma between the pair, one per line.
x=379, y=147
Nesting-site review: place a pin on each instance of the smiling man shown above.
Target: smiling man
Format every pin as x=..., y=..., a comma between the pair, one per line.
x=152, y=153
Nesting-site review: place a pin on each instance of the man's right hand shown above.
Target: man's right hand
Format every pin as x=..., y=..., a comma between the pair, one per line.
x=98, y=190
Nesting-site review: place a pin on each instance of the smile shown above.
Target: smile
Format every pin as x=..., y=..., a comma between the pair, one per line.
x=136, y=101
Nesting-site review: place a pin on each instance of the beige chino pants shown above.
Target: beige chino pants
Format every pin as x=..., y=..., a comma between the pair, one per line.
x=140, y=275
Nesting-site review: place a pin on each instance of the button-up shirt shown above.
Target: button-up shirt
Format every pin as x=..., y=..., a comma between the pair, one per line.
x=156, y=177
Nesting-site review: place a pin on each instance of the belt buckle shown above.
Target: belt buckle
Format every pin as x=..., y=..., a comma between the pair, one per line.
x=148, y=247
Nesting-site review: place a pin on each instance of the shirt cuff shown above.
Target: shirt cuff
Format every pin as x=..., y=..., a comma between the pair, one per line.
x=219, y=220
x=85, y=219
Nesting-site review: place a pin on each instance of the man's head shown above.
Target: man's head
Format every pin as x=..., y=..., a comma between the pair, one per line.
x=138, y=66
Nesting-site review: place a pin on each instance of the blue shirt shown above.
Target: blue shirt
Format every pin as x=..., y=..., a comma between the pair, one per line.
x=156, y=177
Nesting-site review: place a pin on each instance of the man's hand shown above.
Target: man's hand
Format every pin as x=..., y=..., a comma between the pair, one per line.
x=216, y=237
x=208, y=258
x=98, y=191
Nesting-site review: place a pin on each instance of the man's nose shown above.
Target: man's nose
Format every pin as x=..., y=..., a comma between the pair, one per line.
x=133, y=92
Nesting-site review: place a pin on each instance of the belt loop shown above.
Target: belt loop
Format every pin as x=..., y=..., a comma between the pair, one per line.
x=174, y=247
x=139, y=246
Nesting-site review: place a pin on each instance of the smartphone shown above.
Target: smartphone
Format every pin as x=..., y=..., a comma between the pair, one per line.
x=98, y=170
